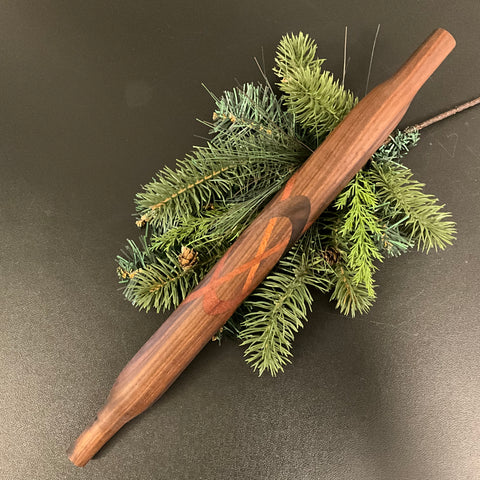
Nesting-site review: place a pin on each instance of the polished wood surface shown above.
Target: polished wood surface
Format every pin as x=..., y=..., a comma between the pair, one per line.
x=305, y=196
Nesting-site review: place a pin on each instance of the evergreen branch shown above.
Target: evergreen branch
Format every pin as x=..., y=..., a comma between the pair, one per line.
x=158, y=286
x=294, y=52
x=192, y=231
x=153, y=279
x=198, y=179
x=215, y=173
x=351, y=297
x=359, y=226
x=426, y=224
x=278, y=307
x=314, y=97
x=134, y=257
x=184, y=189
x=251, y=108
x=397, y=146
x=393, y=242
x=164, y=284
x=317, y=100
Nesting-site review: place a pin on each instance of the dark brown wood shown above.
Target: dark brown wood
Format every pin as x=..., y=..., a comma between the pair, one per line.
x=174, y=345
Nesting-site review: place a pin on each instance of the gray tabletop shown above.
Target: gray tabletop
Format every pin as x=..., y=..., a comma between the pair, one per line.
x=95, y=97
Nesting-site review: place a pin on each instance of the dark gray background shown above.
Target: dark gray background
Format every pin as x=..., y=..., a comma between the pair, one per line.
x=94, y=98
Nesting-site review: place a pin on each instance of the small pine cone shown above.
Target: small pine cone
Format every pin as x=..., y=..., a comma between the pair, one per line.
x=331, y=256
x=143, y=220
x=132, y=274
x=187, y=258
x=122, y=273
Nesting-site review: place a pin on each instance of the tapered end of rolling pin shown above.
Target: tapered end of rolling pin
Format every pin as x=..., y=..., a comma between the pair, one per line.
x=90, y=442
x=426, y=59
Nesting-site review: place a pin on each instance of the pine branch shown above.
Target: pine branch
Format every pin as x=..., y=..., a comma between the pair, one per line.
x=365, y=231
x=164, y=284
x=219, y=225
x=252, y=109
x=134, y=257
x=278, y=307
x=314, y=97
x=393, y=242
x=350, y=297
x=295, y=52
x=215, y=174
x=359, y=227
x=397, y=146
x=426, y=224
x=152, y=279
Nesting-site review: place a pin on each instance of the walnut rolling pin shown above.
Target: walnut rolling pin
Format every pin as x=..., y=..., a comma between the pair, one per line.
x=174, y=345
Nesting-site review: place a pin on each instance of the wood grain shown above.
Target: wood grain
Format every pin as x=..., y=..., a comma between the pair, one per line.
x=305, y=196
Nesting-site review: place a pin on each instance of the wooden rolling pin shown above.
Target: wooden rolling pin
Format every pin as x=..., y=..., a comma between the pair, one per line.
x=246, y=263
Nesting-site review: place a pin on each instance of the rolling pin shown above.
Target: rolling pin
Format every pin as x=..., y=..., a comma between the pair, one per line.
x=246, y=263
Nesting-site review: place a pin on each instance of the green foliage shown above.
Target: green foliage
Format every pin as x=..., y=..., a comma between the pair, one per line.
x=252, y=109
x=161, y=285
x=397, y=146
x=254, y=147
x=360, y=225
x=216, y=226
x=278, y=308
x=156, y=280
x=350, y=297
x=364, y=230
x=313, y=96
x=213, y=174
x=425, y=223
x=257, y=141
x=393, y=242
x=295, y=52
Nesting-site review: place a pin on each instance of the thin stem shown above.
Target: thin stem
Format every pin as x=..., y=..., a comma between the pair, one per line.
x=371, y=59
x=444, y=115
x=344, y=56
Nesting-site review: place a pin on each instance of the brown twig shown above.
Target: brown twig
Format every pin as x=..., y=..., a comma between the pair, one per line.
x=442, y=116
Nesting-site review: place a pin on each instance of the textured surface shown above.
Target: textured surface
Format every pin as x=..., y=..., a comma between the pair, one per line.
x=95, y=97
